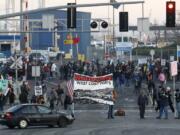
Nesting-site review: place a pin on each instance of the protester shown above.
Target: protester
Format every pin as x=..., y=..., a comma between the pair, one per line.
x=168, y=90
x=53, y=70
x=1, y=101
x=11, y=95
x=142, y=102
x=163, y=102
x=162, y=78
x=177, y=98
x=69, y=105
x=23, y=97
x=52, y=98
x=59, y=92
x=111, y=107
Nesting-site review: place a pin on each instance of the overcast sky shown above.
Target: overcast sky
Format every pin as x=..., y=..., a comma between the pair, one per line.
x=154, y=9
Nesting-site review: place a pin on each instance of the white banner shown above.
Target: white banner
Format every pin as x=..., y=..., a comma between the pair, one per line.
x=99, y=100
x=83, y=82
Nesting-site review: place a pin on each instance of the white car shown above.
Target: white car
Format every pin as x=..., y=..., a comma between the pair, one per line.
x=3, y=58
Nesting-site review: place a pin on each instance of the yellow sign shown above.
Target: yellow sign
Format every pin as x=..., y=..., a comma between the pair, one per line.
x=68, y=42
x=81, y=57
x=67, y=56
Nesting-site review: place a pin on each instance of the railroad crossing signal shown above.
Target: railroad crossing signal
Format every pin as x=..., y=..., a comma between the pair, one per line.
x=18, y=62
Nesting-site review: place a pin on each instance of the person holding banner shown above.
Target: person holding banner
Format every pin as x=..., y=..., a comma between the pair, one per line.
x=111, y=107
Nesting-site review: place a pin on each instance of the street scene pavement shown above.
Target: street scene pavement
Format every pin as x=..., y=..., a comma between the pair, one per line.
x=91, y=119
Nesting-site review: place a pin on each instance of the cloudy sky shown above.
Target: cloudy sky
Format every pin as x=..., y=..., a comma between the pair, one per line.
x=154, y=9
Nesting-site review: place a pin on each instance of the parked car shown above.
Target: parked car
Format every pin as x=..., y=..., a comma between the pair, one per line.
x=25, y=115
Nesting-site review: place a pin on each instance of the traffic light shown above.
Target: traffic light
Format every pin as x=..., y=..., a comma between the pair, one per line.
x=94, y=25
x=71, y=16
x=123, y=21
x=104, y=24
x=170, y=14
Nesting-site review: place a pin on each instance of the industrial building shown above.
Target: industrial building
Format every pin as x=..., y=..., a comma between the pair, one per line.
x=42, y=38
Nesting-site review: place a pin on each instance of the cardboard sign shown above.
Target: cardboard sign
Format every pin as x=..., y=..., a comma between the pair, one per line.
x=174, y=71
x=36, y=71
x=163, y=62
x=38, y=90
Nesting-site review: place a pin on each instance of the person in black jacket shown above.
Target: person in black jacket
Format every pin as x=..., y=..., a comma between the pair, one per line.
x=1, y=101
x=142, y=102
x=163, y=103
x=168, y=90
x=177, y=97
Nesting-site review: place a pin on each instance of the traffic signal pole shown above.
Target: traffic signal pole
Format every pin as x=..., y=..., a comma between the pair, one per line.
x=69, y=6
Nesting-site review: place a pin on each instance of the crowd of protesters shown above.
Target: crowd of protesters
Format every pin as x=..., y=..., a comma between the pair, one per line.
x=124, y=74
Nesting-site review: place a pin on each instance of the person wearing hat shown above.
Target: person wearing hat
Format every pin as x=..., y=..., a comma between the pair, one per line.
x=177, y=98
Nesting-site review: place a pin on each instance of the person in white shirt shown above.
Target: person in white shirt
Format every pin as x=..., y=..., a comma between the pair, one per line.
x=53, y=69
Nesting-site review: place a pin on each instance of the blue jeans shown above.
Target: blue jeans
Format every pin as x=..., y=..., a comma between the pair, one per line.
x=70, y=109
x=163, y=109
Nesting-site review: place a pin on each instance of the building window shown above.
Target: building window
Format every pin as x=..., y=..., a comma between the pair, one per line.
x=119, y=39
x=125, y=39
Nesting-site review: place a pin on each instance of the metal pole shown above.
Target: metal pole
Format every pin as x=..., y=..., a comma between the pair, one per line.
x=21, y=22
x=113, y=31
x=77, y=47
x=105, y=49
x=71, y=50
x=142, y=21
x=174, y=87
x=68, y=6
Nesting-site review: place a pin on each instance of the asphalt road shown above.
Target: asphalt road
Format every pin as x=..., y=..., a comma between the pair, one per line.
x=92, y=120
x=95, y=123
